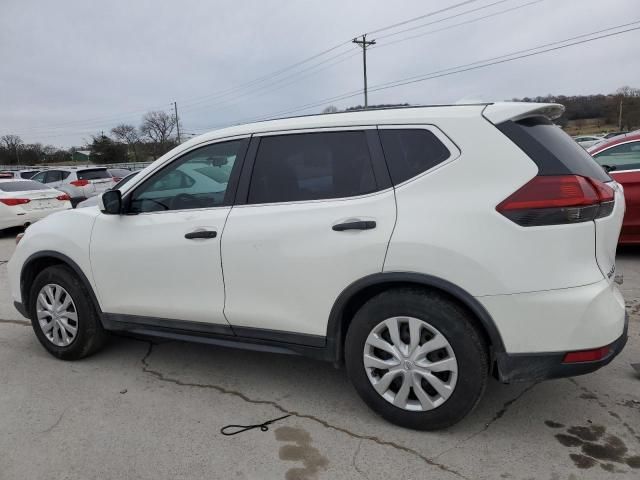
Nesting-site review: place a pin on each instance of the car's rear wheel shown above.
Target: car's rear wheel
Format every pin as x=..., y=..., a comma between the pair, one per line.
x=63, y=316
x=416, y=358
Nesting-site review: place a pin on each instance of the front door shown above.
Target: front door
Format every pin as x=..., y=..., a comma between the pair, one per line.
x=161, y=259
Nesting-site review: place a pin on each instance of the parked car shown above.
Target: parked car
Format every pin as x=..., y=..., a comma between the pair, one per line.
x=22, y=174
x=118, y=173
x=78, y=183
x=586, y=141
x=90, y=202
x=613, y=134
x=621, y=157
x=425, y=248
x=23, y=202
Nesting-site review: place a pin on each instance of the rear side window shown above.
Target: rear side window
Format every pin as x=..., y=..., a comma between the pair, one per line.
x=94, y=174
x=552, y=150
x=28, y=174
x=53, y=176
x=21, y=186
x=311, y=166
x=409, y=152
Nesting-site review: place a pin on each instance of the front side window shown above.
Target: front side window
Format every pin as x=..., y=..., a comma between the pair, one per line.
x=409, y=152
x=621, y=157
x=311, y=166
x=199, y=179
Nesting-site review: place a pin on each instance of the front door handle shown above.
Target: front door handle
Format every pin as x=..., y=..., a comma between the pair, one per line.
x=201, y=234
x=357, y=225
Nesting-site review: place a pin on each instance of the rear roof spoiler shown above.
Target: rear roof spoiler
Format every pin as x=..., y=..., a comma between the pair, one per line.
x=501, y=112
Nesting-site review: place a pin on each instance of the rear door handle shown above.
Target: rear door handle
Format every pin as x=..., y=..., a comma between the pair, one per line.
x=357, y=225
x=201, y=234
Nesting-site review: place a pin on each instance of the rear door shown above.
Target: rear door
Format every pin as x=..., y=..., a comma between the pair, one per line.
x=315, y=214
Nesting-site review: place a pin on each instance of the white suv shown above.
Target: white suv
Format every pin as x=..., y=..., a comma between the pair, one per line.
x=78, y=183
x=427, y=248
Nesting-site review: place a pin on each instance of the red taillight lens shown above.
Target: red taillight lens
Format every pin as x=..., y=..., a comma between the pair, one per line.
x=586, y=355
x=117, y=179
x=559, y=199
x=12, y=202
x=80, y=183
x=63, y=197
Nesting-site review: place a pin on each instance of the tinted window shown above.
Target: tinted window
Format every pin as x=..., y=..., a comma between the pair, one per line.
x=53, y=176
x=21, y=186
x=552, y=150
x=622, y=157
x=94, y=174
x=39, y=177
x=410, y=152
x=28, y=174
x=311, y=166
x=197, y=180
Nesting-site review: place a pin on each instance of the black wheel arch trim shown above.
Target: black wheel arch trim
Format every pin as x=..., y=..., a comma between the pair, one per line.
x=24, y=289
x=334, y=326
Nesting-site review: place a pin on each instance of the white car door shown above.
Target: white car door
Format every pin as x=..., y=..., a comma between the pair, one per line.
x=318, y=215
x=161, y=258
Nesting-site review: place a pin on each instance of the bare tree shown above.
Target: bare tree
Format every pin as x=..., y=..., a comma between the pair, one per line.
x=158, y=127
x=330, y=109
x=129, y=135
x=628, y=91
x=12, y=144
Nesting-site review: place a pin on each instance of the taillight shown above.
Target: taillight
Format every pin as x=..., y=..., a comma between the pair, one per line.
x=80, y=183
x=12, y=202
x=559, y=199
x=63, y=197
x=116, y=179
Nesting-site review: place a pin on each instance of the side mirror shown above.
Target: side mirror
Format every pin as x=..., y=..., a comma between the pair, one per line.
x=111, y=202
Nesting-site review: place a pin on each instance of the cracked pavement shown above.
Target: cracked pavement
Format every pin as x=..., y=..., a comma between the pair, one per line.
x=73, y=421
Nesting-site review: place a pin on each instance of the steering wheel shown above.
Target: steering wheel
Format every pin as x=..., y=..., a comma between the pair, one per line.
x=185, y=200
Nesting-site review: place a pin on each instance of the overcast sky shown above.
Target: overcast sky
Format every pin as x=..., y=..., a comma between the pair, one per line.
x=69, y=69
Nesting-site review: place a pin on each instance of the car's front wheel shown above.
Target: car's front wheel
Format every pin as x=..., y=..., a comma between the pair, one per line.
x=416, y=358
x=63, y=316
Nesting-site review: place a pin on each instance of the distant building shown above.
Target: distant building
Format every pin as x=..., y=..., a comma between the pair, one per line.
x=81, y=156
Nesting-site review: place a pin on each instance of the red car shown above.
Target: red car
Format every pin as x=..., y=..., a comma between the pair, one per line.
x=621, y=157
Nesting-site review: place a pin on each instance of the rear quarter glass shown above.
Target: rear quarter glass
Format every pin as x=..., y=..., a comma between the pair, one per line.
x=551, y=149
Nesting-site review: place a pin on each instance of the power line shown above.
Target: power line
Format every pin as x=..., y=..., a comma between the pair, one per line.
x=461, y=68
x=420, y=17
x=415, y=27
x=116, y=117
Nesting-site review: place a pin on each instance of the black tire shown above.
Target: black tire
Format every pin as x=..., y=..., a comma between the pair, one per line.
x=454, y=322
x=90, y=336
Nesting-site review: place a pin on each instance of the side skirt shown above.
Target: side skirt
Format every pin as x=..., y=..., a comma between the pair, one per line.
x=255, y=339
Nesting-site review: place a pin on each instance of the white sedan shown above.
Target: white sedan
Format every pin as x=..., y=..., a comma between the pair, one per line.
x=586, y=141
x=24, y=201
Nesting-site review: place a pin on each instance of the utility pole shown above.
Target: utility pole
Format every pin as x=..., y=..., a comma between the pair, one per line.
x=620, y=117
x=175, y=108
x=364, y=44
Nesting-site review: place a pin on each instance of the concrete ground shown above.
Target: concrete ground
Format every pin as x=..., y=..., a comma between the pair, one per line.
x=154, y=410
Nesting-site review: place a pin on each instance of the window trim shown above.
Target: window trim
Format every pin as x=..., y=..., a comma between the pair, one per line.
x=595, y=155
x=454, y=151
x=379, y=168
x=232, y=185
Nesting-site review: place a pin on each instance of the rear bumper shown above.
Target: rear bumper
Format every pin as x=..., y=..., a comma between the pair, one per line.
x=520, y=367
